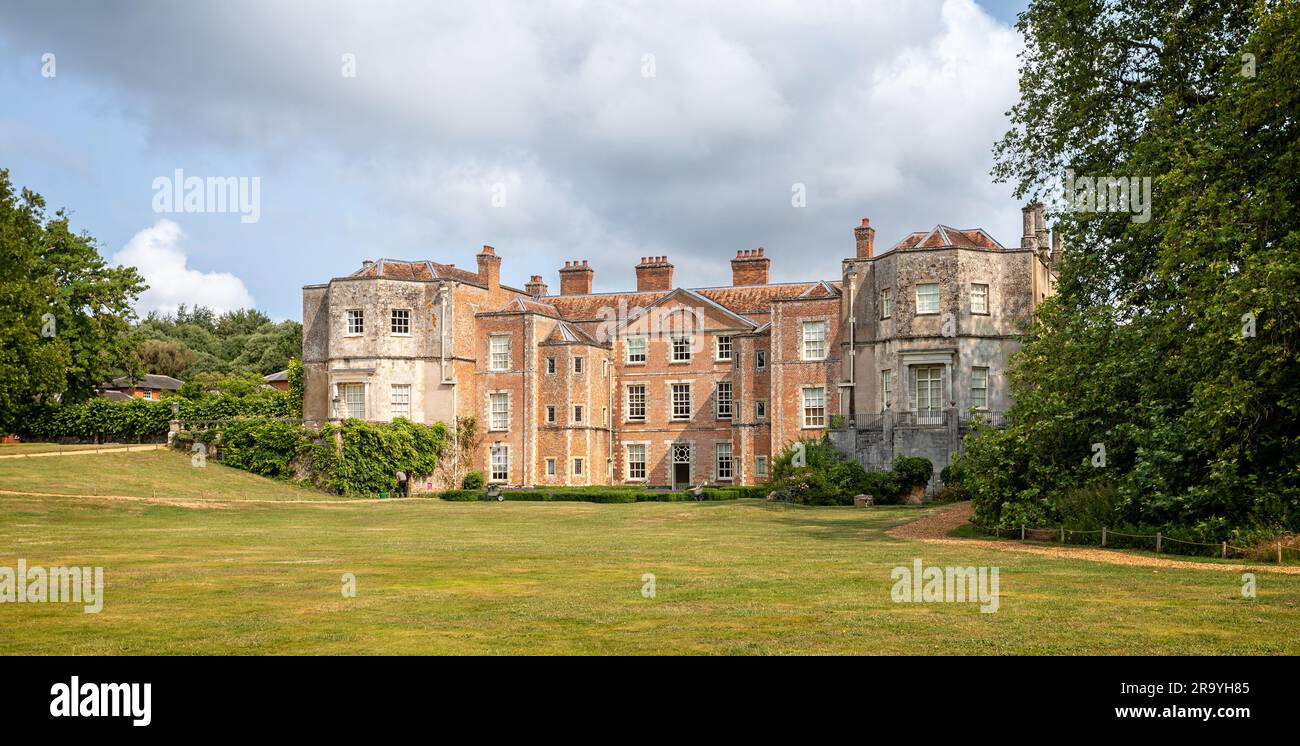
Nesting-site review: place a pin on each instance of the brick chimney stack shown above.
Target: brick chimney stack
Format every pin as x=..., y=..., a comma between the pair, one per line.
x=1029, y=221
x=535, y=286
x=866, y=238
x=575, y=278
x=489, y=268
x=654, y=273
x=750, y=267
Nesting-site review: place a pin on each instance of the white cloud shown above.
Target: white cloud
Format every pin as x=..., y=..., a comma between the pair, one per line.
x=157, y=254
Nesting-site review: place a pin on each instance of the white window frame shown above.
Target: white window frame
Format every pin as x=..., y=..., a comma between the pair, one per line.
x=576, y=467
x=395, y=321
x=681, y=345
x=719, y=341
x=549, y=465
x=501, y=474
x=984, y=404
x=550, y=366
x=498, y=359
x=630, y=463
x=345, y=396
x=397, y=407
x=577, y=414
x=813, y=421
x=719, y=411
x=550, y=414
x=760, y=359
x=673, y=401
x=760, y=409
x=928, y=415
x=146, y=393
x=643, y=392
x=980, y=291
x=760, y=466
x=723, y=461
x=814, y=348
x=354, y=322
x=493, y=411
x=927, y=309
x=886, y=388
x=641, y=343
x=886, y=303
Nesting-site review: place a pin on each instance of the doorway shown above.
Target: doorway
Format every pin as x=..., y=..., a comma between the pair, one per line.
x=681, y=465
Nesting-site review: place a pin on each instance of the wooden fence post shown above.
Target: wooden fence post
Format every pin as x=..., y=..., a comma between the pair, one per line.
x=1279, y=552
x=1103, y=536
x=1022, y=532
x=1225, y=550
x=1062, y=534
x=1157, y=542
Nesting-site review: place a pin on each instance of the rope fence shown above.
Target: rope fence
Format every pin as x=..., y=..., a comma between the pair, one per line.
x=1105, y=537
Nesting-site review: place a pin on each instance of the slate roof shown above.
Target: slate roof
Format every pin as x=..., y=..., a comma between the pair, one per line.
x=149, y=381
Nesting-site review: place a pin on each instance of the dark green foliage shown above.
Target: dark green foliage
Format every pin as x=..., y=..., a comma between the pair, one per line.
x=45, y=268
x=473, y=481
x=884, y=486
x=296, y=387
x=245, y=340
x=141, y=418
x=1147, y=348
x=373, y=453
x=913, y=471
x=265, y=447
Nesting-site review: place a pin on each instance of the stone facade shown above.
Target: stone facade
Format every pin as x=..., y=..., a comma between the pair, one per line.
x=666, y=385
x=932, y=325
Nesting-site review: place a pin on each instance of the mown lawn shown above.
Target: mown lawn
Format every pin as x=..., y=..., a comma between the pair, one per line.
x=255, y=573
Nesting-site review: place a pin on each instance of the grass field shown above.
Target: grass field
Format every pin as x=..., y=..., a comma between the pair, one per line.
x=231, y=563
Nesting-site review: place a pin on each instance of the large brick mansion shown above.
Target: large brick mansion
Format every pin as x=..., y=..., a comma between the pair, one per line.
x=671, y=385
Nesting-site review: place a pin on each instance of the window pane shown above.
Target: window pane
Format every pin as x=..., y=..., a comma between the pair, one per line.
x=636, y=402
x=500, y=464
x=356, y=322
x=500, y=415
x=814, y=340
x=724, y=348
x=401, y=402
x=724, y=460
x=979, y=387
x=927, y=298
x=354, y=400
x=681, y=401
x=636, y=349
x=723, y=400
x=401, y=321
x=636, y=462
x=814, y=407
x=499, y=359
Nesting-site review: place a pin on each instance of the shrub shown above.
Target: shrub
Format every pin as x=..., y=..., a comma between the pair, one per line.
x=913, y=471
x=884, y=486
x=473, y=481
x=460, y=495
x=849, y=477
x=265, y=447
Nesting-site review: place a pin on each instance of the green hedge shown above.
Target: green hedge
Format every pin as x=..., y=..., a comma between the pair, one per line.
x=142, y=418
x=612, y=494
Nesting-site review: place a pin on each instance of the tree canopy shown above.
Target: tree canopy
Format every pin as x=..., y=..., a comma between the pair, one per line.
x=64, y=313
x=1171, y=344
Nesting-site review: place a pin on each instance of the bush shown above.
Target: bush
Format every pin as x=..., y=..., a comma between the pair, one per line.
x=265, y=447
x=460, y=495
x=913, y=471
x=473, y=481
x=884, y=486
x=849, y=477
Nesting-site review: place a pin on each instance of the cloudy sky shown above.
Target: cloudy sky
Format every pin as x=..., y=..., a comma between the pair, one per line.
x=552, y=131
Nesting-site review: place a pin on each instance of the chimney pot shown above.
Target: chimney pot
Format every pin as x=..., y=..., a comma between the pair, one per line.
x=655, y=274
x=750, y=267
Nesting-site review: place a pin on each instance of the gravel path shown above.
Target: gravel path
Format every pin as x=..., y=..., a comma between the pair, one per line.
x=933, y=527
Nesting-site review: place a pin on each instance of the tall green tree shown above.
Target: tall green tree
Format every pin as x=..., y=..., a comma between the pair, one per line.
x=1173, y=344
x=65, y=315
